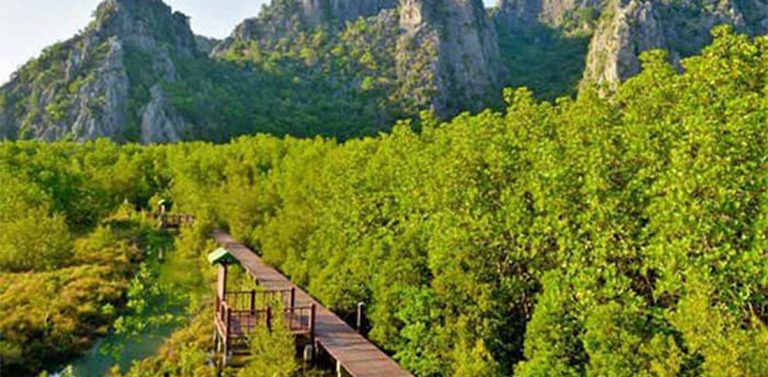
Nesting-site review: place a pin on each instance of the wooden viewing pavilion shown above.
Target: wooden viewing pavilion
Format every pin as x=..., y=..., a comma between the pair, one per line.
x=239, y=313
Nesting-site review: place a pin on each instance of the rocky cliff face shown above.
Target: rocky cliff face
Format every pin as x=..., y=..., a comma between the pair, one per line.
x=613, y=54
x=630, y=27
x=458, y=47
x=97, y=83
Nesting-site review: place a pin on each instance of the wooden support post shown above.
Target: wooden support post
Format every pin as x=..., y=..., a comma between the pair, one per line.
x=292, y=300
x=253, y=301
x=312, y=323
x=216, y=339
x=223, y=282
x=227, y=321
x=309, y=355
x=228, y=318
x=269, y=318
x=359, y=319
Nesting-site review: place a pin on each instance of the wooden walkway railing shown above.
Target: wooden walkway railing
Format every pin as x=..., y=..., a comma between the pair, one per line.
x=234, y=324
x=354, y=355
x=251, y=299
x=175, y=220
x=239, y=313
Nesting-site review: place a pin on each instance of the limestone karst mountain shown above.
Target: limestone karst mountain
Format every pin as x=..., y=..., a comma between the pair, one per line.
x=622, y=29
x=340, y=68
x=87, y=87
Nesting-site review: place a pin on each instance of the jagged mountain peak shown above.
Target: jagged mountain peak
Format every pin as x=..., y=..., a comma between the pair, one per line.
x=621, y=30
x=106, y=81
x=145, y=21
x=340, y=11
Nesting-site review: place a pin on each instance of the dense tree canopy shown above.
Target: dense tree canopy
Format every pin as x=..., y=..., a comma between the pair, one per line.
x=595, y=236
x=622, y=235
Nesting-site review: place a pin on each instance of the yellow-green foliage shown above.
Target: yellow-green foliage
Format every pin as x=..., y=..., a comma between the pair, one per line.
x=46, y=317
x=34, y=241
x=623, y=235
x=30, y=237
x=552, y=239
x=273, y=352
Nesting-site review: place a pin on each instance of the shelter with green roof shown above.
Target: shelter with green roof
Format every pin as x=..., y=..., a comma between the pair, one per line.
x=223, y=258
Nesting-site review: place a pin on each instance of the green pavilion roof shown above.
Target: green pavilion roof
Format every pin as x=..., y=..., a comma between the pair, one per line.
x=222, y=256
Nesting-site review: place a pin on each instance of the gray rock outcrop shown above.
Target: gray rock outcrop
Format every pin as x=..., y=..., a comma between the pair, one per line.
x=613, y=55
x=453, y=44
x=159, y=123
x=89, y=86
x=682, y=28
x=100, y=106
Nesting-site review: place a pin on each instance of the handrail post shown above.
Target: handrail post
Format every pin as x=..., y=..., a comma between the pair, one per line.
x=253, y=301
x=269, y=318
x=359, y=319
x=312, y=323
x=228, y=317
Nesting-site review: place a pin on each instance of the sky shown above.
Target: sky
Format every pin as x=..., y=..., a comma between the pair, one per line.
x=28, y=26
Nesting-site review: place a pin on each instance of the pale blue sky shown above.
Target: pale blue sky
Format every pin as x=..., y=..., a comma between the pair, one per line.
x=28, y=26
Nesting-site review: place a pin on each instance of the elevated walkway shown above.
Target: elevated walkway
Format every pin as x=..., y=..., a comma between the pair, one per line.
x=354, y=355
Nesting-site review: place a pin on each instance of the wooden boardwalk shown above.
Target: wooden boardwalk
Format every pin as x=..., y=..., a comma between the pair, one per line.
x=353, y=353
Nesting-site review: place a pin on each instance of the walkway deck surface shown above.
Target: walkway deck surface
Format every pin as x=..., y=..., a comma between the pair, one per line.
x=356, y=355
